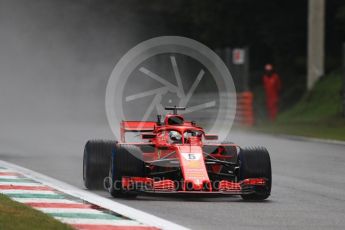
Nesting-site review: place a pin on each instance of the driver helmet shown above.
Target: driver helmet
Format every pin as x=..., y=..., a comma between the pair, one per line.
x=175, y=136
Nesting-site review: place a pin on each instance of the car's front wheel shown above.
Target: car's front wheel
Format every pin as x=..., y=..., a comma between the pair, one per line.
x=256, y=163
x=127, y=160
x=96, y=162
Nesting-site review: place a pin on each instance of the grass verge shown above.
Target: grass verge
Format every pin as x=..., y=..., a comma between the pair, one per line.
x=16, y=216
x=318, y=114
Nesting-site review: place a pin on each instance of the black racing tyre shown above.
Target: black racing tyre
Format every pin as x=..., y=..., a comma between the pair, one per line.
x=96, y=162
x=127, y=160
x=256, y=163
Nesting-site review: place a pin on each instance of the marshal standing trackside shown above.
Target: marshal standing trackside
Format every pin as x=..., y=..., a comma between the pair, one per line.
x=175, y=157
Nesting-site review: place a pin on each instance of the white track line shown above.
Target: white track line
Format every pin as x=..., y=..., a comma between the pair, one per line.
x=311, y=139
x=121, y=209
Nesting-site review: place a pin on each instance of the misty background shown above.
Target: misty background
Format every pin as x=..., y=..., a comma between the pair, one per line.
x=55, y=60
x=56, y=55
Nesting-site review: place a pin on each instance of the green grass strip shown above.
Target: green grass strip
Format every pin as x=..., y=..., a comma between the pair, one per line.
x=318, y=114
x=16, y=216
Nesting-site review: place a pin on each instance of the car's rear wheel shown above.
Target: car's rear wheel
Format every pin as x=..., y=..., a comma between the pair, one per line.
x=256, y=163
x=126, y=161
x=96, y=162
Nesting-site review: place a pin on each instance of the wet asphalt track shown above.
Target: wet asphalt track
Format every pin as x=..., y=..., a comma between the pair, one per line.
x=308, y=178
x=53, y=74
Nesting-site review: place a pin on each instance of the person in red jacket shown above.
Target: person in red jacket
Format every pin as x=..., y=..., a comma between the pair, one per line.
x=272, y=86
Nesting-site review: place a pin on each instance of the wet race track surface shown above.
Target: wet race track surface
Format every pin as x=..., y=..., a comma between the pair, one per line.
x=308, y=179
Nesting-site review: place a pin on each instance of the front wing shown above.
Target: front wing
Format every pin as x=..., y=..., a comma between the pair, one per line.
x=168, y=187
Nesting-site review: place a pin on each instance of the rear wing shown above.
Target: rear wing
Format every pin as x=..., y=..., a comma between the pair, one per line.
x=136, y=126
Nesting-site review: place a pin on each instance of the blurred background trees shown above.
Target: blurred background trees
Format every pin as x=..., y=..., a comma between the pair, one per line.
x=275, y=32
x=71, y=47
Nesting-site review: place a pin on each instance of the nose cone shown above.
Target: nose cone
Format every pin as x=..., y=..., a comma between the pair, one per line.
x=195, y=185
x=193, y=167
x=198, y=185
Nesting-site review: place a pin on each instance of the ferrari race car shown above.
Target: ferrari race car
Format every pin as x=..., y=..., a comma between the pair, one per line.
x=175, y=156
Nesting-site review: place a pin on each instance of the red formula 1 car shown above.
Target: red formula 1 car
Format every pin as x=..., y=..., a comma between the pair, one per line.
x=175, y=157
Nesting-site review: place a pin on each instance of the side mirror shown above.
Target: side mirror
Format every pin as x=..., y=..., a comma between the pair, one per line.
x=213, y=137
x=148, y=136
